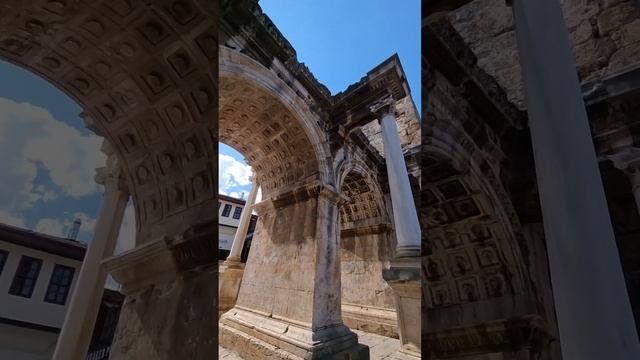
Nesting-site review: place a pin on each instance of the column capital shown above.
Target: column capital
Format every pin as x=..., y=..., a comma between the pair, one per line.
x=111, y=176
x=628, y=159
x=384, y=106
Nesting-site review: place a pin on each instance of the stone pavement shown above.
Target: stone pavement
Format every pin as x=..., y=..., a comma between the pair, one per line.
x=380, y=348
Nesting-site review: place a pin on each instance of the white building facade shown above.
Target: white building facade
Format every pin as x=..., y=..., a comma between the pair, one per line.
x=37, y=276
x=229, y=211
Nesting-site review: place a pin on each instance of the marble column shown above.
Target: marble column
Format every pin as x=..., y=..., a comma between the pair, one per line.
x=243, y=227
x=403, y=275
x=232, y=270
x=592, y=305
x=75, y=336
x=405, y=215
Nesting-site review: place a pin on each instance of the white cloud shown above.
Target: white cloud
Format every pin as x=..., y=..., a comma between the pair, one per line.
x=237, y=195
x=33, y=141
x=50, y=227
x=9, y=219
x=232, y=173
x=49, y=195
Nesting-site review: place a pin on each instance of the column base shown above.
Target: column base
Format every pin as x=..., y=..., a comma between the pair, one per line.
x=229, y=281
x=256, y=336
x=404, y=277
x=408, y=252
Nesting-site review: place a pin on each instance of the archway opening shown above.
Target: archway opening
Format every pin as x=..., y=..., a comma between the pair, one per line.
x=367, y=245
x=49, y=208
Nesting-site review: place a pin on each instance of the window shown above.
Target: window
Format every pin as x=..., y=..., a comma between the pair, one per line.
x=3, y=259
x=237, y=212
x=26, y=276
x=59, y=285
x=226, y=210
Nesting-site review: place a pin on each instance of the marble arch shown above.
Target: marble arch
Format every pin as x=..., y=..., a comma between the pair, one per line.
x=144, y=74
x=290, y=301
x=367, y=246
x=234, y=66
x=475, y=250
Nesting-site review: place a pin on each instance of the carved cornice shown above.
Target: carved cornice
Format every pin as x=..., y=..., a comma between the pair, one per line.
x=312, y=190
x=527, y=332
x=381, y=228
x=452, y=57
x=264, y=42
x=165, y=258
x=352, y=107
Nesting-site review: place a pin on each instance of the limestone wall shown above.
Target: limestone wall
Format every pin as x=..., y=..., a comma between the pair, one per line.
x=605, y=35
x=367, y=300
x=408, y=127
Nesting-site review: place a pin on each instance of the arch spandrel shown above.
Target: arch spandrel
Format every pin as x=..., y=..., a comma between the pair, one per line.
x=143, y=85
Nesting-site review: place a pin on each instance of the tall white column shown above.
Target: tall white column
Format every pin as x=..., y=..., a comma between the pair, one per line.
x=405, y=215
x=243, y=227
x=592, y=304
x=75, y=337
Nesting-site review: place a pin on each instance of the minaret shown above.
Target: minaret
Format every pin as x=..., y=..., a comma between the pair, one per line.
x=73, y=233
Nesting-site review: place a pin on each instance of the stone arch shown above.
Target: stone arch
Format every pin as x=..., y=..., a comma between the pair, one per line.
x=144, y=86
x=294, y=257
x=144, y=73
x=367, y=246
x=239, y=73
x=470, y=241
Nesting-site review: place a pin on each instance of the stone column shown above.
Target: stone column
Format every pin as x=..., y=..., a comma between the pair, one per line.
x=405, y=215
x=404, y=275
x=592, y=304
x=232, y=269
x=243, y=227
x=75, y=337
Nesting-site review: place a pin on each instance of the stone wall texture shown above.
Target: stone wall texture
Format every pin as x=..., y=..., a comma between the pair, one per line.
x=408, y=127
x=604, y=34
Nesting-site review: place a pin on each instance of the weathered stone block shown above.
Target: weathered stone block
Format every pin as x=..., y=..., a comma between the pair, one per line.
x=581, y=33
x=290, y=295
x=576, y=11
x=615, y=17
x=592, y=55
x=229, y=285
x=405, y=278
x=624, y=57
x=169, y=320
x=627, y=34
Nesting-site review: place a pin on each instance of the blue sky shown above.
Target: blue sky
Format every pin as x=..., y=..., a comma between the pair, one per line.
x=340, y=41
x=49, y=158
